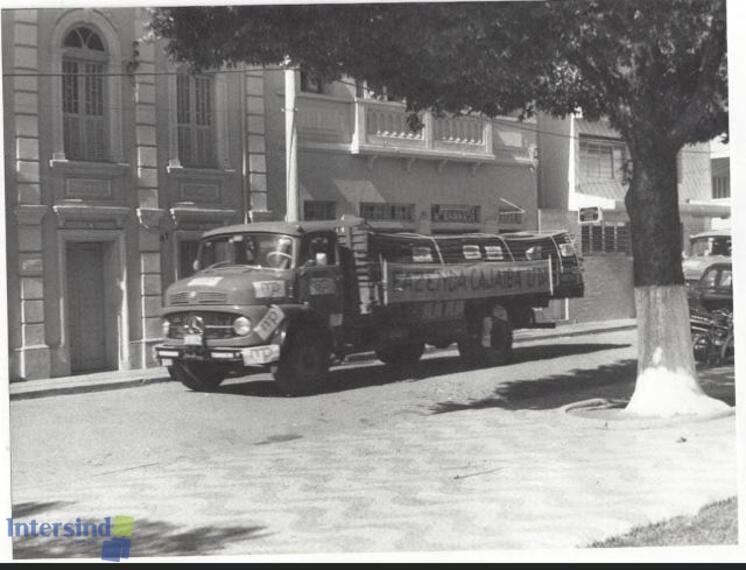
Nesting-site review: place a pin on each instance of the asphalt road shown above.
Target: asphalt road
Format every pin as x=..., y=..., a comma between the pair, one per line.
x=70, y=436
x=192, y=466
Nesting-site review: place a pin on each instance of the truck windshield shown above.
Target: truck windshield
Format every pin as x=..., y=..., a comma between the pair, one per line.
x=707, y=246
x=274, y=251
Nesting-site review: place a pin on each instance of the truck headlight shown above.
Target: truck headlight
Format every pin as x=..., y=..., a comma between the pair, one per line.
x=242, y=326
x=566, y=250
x=165, y=327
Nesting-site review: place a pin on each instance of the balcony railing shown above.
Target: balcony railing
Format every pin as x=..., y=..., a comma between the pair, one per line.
x=381, y=128
x=371, y=127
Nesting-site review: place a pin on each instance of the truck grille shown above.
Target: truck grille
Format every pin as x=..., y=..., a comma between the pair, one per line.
x=201, y=298
x=217, y=325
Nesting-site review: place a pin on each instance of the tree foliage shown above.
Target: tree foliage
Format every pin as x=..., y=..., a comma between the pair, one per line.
x=656, y=64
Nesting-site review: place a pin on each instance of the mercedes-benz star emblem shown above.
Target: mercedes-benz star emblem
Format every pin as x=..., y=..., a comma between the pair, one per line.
x=195, y=324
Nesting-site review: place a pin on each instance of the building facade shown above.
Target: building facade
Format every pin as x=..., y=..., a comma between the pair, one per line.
x=720, y=167
x=357, y=156
x=117, y=160
x=581, y=164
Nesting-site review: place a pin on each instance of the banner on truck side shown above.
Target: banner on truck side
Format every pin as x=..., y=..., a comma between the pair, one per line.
x=407, y=282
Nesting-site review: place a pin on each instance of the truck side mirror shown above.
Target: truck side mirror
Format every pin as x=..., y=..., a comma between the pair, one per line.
x=321, y=259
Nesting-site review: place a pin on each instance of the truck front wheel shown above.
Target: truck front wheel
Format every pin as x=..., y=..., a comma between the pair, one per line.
x=197, y=376
x=304, y=363
x=401, y=354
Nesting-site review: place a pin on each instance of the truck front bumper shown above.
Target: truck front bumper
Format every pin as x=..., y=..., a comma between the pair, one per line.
x=249, y=356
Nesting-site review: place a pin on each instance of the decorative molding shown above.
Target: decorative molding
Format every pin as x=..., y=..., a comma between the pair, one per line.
x=78, y=215
x=107, y=170
x=150, y=218
x=260, y=216
x=186, y=215
x=88, y=188
x=199, y=191
x=30, y=214
x=182, y=172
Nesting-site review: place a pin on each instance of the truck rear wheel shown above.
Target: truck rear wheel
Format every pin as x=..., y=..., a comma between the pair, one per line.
x=304, y=363
x=491, y=329
x=197, y=376
x=401, y=354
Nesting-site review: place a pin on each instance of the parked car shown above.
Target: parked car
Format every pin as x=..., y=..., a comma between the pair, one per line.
x=714, y=290
x=705, y=249
x=711, y=314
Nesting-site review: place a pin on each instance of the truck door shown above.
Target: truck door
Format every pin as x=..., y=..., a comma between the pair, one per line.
x=321, y=275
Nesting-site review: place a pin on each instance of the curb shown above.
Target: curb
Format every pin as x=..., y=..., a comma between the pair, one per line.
x=569, y=412
x=88, y=388
x=560, y=334
x=102, y=386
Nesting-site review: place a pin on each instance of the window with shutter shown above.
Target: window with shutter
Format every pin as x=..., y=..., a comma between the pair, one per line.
x=83, y=86
x=602, y=160
x=195, y=121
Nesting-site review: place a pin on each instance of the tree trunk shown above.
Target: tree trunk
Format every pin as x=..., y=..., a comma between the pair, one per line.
x=666, y=376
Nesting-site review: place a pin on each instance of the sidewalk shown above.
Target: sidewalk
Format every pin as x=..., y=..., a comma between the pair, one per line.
x=120, y=379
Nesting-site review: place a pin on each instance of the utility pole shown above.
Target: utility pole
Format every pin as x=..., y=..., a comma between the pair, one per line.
x=291, y=147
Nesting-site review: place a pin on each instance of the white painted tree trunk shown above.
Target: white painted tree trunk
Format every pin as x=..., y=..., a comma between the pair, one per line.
x=666, y=375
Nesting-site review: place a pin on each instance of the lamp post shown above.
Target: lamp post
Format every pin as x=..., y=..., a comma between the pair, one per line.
x=291, y=147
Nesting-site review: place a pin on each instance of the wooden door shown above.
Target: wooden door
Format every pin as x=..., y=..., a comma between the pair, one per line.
x=86, y=312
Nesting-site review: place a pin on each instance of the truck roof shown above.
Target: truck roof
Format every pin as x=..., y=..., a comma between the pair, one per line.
x=533, y=235
x=288, y=228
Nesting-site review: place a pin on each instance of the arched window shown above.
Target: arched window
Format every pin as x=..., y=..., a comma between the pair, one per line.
x=84, y=64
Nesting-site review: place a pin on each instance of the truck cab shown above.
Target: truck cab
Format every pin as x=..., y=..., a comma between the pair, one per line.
x=251, y=281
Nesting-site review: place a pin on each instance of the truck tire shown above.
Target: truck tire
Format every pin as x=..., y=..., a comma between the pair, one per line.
x=401, y=354
x=304, y=363
x=197, y=376
x=500, y=333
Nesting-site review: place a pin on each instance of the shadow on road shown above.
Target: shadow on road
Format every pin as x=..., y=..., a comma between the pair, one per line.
x=612, y=382
x=149, y=538
x=355, y=377
x=608, y=381
x=23, y=510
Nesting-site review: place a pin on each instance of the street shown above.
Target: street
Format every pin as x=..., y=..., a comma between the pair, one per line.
x=440, y=457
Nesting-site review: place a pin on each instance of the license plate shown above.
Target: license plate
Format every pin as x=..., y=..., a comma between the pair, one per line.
x=260, y=354
x=269, y=322
x=193, y=356
x=193, y=339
